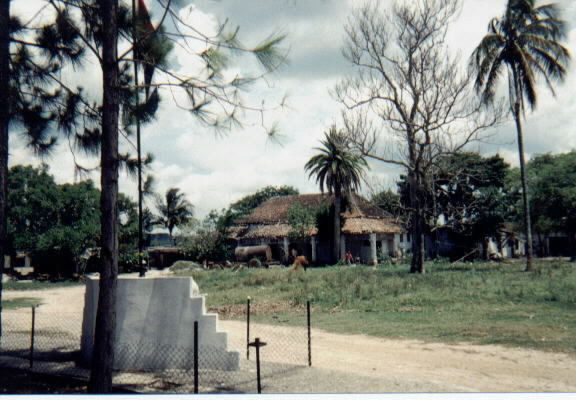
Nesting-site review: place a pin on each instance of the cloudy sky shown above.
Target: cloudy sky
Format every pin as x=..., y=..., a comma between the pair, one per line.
x=215, y=170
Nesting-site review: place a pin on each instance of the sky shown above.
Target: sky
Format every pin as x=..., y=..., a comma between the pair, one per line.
x=214, y=170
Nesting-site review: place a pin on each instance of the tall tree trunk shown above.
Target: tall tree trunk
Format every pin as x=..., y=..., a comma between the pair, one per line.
x=4, y=131
x=337, y=210
x=525, y=202
x=103, y=357
x=418, y=250
x=138, y=140
x=417, y=222
x=572, y=244
x=416, y=228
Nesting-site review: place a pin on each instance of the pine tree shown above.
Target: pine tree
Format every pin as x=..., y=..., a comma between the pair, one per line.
x=214, y=99
x=33, y=99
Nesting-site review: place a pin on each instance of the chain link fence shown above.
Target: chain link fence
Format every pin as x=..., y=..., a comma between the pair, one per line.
x=48, y=342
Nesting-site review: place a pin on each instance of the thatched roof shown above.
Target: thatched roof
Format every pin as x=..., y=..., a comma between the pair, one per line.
x=275, y=210
x=360, y=226
x=272, y=231
x=234, y=231
x=270, y=219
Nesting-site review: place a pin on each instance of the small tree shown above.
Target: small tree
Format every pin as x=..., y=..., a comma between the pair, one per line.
x=339, y=170
x=388, y=201
x=248, y=203
x=174, y=209
x=302, y=220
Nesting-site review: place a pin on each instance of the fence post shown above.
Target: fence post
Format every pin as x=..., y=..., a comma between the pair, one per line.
x=257, y=343
x=32, y=332
x=309, y=334
x=258, y=365
x=195, y=356
x=248, y=328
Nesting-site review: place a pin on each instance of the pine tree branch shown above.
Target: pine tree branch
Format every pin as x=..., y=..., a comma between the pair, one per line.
x=77, y=31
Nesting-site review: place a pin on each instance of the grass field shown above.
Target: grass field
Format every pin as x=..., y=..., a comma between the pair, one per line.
x=23, y=302
x=494, y=303
x=39, y=285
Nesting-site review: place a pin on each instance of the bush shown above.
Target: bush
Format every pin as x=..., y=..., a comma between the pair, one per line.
x=182, y=266
x=128, y=262
x=205, y=245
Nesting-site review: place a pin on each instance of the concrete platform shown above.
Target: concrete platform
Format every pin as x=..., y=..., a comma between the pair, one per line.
x=155, y=325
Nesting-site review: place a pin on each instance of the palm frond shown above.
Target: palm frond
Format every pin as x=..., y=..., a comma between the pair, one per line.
x=336, y=168
x=529, y=46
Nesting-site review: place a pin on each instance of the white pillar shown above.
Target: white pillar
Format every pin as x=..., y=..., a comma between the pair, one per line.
x=342, y=247
x=373, y=255
x=396, y=246
x=313, y=243
x=286, y=249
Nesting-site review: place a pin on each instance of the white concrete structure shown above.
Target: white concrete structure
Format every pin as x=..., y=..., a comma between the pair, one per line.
x=373, y=253
x=313, y=248
x=155, y=326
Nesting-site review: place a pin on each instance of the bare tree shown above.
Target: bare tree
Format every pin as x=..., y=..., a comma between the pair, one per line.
x=410, y=101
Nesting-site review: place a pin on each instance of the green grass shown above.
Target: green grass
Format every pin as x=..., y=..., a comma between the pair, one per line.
x=22, y=302
x=25, y=302
x=496, y=303
x=38, y=285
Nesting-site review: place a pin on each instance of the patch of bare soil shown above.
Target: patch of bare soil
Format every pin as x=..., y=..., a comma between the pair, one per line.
x=360, y=363
x=234, y=311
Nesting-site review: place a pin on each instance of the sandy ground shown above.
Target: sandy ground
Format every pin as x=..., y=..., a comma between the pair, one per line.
x=390, y=365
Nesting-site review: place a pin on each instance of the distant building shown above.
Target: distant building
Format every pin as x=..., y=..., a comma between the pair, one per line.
x=367, y=231
x=161, y=248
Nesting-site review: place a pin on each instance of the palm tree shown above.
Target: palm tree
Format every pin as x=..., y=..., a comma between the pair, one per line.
x=525, y=43
x=176, y=210
x=338, y=170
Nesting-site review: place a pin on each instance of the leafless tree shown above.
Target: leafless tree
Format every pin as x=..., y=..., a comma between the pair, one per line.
x=409, y=101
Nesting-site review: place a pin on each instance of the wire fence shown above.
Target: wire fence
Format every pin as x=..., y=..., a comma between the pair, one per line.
x=48, y=342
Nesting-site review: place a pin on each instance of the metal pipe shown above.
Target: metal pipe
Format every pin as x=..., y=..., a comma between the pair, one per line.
x=195, y=356
x=248, y=328
x=32, y=334
x=257, y=345
x=309, y=334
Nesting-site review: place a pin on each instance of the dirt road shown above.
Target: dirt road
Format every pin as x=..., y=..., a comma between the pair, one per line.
x=394, y=365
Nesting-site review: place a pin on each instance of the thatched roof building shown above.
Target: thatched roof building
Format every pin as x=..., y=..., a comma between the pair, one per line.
x=268, y=223
x=270, y=219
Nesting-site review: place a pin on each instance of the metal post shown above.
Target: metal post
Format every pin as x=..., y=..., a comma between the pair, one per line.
x=309, y=334
x=258, y=365
x=195, y=356
x=248, y=328
x=32, y=336
x=257, y=343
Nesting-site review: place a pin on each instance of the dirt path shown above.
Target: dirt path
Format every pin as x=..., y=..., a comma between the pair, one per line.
x=399, y=365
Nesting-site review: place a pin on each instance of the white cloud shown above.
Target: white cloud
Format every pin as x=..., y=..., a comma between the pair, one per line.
x=214, y=171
